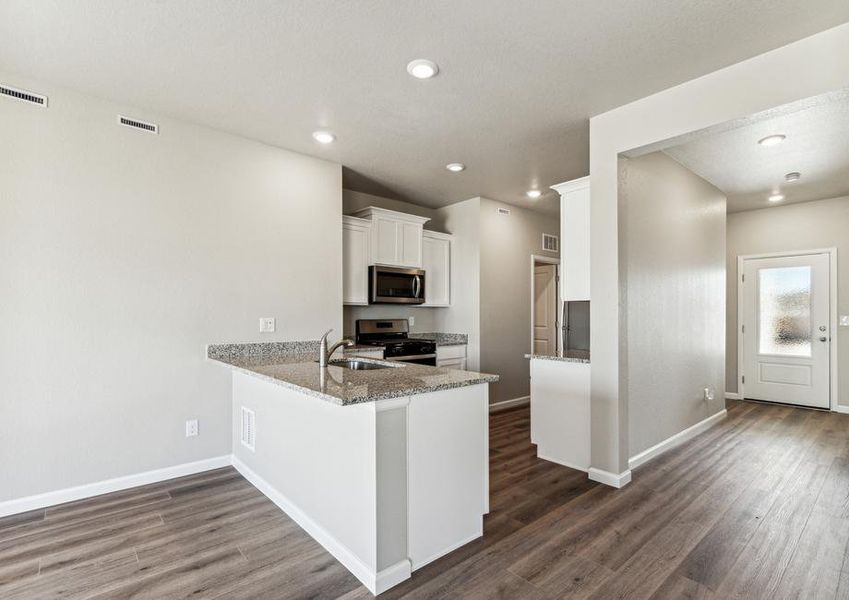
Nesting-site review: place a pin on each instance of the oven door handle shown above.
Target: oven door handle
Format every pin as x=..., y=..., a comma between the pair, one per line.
x=411, y=357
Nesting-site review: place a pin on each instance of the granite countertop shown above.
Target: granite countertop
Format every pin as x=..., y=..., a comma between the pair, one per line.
x=297, y=368
x=443, y=339
x=575, y=356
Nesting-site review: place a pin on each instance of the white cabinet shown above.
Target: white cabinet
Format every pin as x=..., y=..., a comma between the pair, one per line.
x=574, y=239
x=436, y=262
x=356, y=247
x=396, y=238
x=451, y=357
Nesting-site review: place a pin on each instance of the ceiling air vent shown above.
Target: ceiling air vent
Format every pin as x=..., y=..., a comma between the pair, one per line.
x=23, y=96
x=550, y=243
x=248, y=429
x=502, y=211
x=136, y=124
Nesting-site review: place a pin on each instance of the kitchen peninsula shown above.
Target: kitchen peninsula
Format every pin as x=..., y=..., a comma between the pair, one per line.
x=385, y=464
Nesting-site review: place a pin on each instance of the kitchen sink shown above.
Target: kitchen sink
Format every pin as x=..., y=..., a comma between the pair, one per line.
x=358, y=365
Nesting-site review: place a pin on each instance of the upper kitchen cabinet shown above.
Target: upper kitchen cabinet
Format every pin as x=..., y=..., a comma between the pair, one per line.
x=574, y=239
x=436, y=262
x=396, y=238
x=356, y=247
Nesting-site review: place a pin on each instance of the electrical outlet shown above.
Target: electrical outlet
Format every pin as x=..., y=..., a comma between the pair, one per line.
x=710, y=394
x=844, y=320
x=267, y=325
x=412, y=321
x=191, y=428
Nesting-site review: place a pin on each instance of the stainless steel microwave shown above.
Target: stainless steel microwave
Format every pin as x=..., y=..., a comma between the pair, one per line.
x=393, y=285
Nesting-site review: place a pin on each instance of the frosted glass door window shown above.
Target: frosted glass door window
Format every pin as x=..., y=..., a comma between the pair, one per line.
x=785, y=311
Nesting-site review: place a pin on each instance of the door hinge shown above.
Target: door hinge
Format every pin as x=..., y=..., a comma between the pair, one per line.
x=743, y=379
x=743, y=329
x=744, y=277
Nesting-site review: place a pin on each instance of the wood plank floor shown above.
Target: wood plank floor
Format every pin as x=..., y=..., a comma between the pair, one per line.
x=756, y=507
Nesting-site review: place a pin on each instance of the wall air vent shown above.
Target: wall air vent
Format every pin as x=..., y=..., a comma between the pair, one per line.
x=550, y=243
x=248, y=429
x=23, y=96
x=136, y=124
x=502, y=211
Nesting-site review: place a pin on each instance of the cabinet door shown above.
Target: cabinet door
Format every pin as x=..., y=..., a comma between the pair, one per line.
x=411, y=244
x=355, y=256
x=575, y=239
x=386, y=241
x=436, y=262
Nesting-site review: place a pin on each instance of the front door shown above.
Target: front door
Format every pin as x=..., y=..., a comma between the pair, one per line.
x=545, y=309
x=785, y=329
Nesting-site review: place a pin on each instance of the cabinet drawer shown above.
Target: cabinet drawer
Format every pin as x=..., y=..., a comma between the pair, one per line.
x=447, y=352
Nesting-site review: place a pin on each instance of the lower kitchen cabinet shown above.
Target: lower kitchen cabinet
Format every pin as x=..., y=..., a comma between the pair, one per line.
x=451, y=357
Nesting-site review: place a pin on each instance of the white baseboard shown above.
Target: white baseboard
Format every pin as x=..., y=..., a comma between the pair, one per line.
x=12, y=507
x=841, y=409
x=369, y=578
x=448, y=550
x=608, y=478
x=507, y=404
x=560, y=462
x=678, y=438
x=392, y=576
x=732, y=396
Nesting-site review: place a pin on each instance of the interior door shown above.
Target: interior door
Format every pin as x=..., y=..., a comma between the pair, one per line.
x=786, y=329
x=545, y=309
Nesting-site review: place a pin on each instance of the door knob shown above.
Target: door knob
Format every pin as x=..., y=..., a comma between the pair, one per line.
x=823, y=327
x=823, y=339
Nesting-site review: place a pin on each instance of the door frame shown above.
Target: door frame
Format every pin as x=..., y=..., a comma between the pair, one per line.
x=536, y=258
x=832, y=318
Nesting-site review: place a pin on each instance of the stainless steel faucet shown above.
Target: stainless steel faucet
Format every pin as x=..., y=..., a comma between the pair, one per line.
x=324, y=353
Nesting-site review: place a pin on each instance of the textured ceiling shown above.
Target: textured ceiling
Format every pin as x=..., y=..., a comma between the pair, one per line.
x=817, y=146
x=518, y=80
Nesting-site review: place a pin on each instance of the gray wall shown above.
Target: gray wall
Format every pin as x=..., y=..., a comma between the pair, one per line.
x=807, y=226
x=506, y=246
x=673, y=243
x=122, y=254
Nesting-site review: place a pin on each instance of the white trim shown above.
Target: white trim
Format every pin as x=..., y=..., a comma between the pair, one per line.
x=393, y=575
x=508, y=404
x=733, y=396
x=451, y=548
x=560, y=462
x=834, y=392
x=842, y=409
x=608, y=478
x=80, y=492
x=567, y=187
x=340, y=552
x=680, y=437
x=391, y=403
x=558, y=326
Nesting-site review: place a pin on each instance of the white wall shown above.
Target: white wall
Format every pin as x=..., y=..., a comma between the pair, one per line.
x=806, y=226
x=506, y=245
x=463, y=221
x=673, y=235
x=819, y=64
x=122, y=254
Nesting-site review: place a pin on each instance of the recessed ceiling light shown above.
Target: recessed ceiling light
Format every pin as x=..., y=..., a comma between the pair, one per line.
x=534, y=194
x=323, y=137
x=455, y=167
x=794, y=176
x=422, y=68
x=772, y=140
x=776, y=198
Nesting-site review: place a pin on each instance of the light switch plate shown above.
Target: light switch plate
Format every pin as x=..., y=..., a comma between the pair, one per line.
x=191, y=428
x=412, y=321
x=844, y=320
x=267, y=325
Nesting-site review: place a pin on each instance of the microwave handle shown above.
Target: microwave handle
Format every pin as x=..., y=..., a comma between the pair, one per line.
x=417, y=285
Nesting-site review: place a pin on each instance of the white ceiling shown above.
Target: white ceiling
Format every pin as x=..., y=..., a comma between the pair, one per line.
x=518, y=80
x=817, y=146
